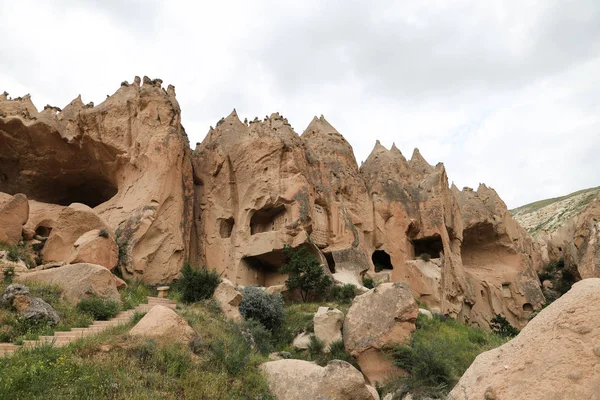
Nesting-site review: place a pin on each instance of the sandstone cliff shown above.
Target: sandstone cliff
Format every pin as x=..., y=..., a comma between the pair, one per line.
x=128, y=158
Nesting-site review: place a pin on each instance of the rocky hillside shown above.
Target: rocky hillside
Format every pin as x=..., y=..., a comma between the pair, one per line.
x=125, y=169
x=566, y=228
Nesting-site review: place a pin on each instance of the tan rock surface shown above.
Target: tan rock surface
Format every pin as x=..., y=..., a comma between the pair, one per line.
x=164, y=324
x=128, y=158
x=556, y=356
x=328, y=324
x=94, y=248
x=78, y=281
x=301, y=380
x=229, y=299
x=367, y=331
x=13, y=215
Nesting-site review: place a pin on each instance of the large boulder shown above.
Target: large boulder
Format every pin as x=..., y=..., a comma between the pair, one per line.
x=27, y=306
x=556, y=356
x=79, y=281
x=328, y=325
x=162, y=323
x=379, y=318
x=229, y=299
x=97, y=246
x=300, y=380
x=13, y=215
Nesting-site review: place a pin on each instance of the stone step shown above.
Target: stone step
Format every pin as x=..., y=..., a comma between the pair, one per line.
x=8, y=346
x=56, y=339
x=6, y=352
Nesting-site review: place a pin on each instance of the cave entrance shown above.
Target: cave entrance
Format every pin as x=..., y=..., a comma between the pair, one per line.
x=43, y=231
x=381, y=260
x=330, y=262
x=428, y=247
x=263, y=269
x=226, y=227
x=267, y=219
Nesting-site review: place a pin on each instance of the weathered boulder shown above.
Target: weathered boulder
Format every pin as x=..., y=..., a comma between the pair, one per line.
x=229, y=299
x=13, y=215
x=556, y=356
x=78, y=281
x=300, y=380
x=426, y=313
x=302, y=340
x=27, y=306
x=328, y=325
x=381, y=317
x=97, y=246
x=162, y=323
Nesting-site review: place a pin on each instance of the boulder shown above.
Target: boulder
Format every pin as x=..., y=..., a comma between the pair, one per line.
x=302, y=340
x=97, y=246
x=73, y=222
x=13, y=215
x=301, y=380
x=162, y=323
x=426, y=313
x=27, y=306
x=229, y=299
x=79, y=281
x=328, y=325
x=381, y=317
x=556, y=356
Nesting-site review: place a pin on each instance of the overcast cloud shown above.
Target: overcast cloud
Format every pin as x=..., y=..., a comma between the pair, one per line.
x=502, y=92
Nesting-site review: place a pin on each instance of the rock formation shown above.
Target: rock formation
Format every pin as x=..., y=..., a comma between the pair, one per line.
x=28, y=307
x=299, y=380
x=556, y=356
x=328, y=324
x=127, y=158
x=229, y=299
x=163, y=323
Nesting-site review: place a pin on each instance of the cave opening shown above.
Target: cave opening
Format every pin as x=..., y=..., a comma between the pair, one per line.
x=381, y=260
x=268, y=219
x=226, y=227
x=43, y=231
x=330, y=262
x=528, y=308
x=428, y=247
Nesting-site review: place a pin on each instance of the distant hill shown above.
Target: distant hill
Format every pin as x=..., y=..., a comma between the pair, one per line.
x=549, y=214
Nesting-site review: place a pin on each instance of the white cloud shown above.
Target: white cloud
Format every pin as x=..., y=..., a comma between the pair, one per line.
x=503, y=92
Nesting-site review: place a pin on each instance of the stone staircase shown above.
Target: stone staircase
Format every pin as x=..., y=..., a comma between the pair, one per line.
x=63, y=338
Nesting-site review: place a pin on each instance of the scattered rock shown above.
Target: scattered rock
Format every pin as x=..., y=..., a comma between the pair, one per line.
x=162, y=323
x=229, y=299
x=366, y=332
x=79, y=281
x=301, y=380
x=32, y=308
x=552, y=358
x=328, y=324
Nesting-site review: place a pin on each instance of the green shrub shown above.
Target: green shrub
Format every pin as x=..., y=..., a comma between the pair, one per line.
x=103, y=233
x=197, y=284
x=259, y=337
x=344, y=293
x=315, y=347
x=305, y=273
x=368, y=282
x=9, y=274
x=134, y=294
x=232, y=356
x=98, y=308
x=502, y=327
x=262, y=307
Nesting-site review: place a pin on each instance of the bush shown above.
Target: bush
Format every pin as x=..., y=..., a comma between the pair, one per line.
x=9, y=274
x=305, y=273
x=103, y=233
x=197, y=284
x=368, y=282
x=262, y=307
x=99, y=308
x=343, y=294
x=315, y=347
x=134, y=294
x=502, y=327
x=259, y=337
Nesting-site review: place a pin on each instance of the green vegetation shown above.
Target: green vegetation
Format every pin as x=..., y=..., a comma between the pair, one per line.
x=98, y=308
x=439, y=352
x=21, y=252
x=103, y=233
x=561, y=278
x=305, y=273
x=113, y=365
x=262, y=307
x=15, y=329
x=9, y=274
x=502, y=327
x=368, y=282
x=197, y=284
x=343, y=294
x=425, y=257
x=134, y=294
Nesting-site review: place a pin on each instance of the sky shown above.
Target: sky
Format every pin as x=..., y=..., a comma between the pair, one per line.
x=506, y=93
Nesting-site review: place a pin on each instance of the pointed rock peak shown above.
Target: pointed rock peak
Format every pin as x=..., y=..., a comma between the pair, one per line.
x=233, y=114
x=4, y=96
x=320, y=125
x=137, y=81
x=417, y=161
x=454, y=188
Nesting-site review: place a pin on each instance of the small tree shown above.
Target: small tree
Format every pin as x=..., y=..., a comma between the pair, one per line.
x=305, y=272
x=502, y=327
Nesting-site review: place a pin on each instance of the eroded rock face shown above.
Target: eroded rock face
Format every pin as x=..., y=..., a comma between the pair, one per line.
x=78, y=281
x=499, y=260
x=127, y=158
x=556, y=356
x=13, y=215
x=163, y=323
x=383, y=316
x=298, y=379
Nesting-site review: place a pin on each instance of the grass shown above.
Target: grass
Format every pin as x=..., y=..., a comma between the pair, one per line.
x=114, y=365
x=19, y=253
x=438, y=354
x=134, y=294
